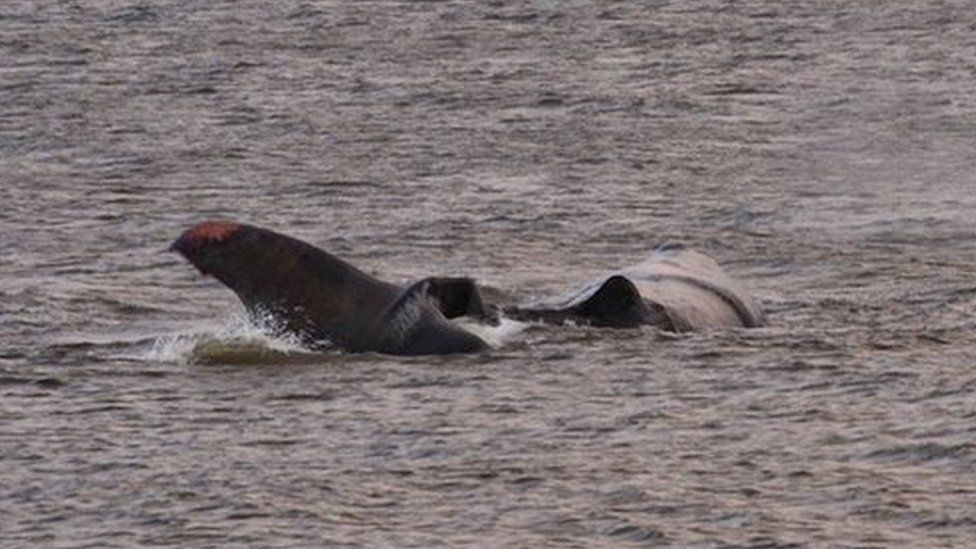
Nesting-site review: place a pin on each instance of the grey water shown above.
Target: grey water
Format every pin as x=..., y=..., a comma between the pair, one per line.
x=823, y=152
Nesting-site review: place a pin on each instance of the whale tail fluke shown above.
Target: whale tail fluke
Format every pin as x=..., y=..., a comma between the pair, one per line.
x=286, y=279
x=324, y=300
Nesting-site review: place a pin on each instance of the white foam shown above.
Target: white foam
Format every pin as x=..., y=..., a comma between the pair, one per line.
x=494, y=336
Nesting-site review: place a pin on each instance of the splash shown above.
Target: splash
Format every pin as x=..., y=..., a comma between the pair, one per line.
x=235, y=340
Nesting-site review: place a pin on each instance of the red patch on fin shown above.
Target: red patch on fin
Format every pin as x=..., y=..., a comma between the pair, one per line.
x=213, y=231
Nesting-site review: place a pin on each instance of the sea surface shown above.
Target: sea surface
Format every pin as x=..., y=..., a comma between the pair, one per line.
x=824, y=152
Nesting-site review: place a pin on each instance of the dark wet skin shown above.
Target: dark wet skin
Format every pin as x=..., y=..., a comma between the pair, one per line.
x=326, y=301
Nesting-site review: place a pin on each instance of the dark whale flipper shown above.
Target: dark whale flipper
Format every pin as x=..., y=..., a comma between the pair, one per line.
x=310, y=293
x=457, y=297
x=617, y=303
x=613, y=303
x=415, y=324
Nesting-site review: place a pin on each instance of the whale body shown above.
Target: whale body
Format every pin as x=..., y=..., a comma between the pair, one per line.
x=677, y=289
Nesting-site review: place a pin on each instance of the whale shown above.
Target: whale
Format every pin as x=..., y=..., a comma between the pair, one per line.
x=328, y=303
x=676, y=289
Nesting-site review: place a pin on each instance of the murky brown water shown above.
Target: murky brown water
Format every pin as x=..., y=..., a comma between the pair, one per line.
x=822, y=151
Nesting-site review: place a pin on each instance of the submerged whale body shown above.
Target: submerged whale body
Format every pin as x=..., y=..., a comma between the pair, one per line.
x=677, y=289
x=327, y=302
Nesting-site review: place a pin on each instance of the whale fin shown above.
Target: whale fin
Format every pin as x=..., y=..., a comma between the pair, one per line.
x=305, y=290
x=615, y=304
x=415, y=324
x=457, y=297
